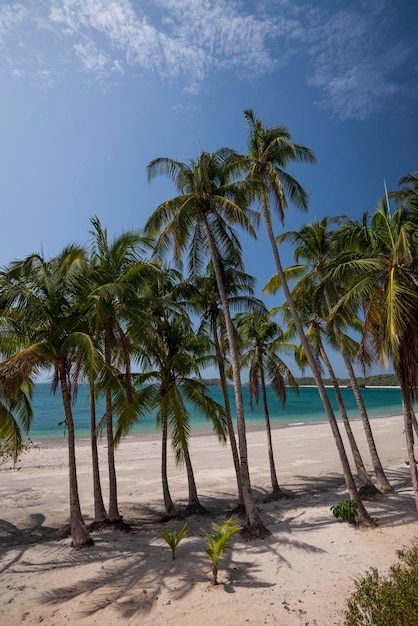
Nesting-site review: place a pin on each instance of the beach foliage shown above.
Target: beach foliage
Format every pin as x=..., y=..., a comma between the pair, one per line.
x=38, y=296
x=263, y=339
x=173, y=537
x=218, y=542
x=379, y=268
x=345, y=510
x=387, y=600
x=9, y=453
x=270, y=149
x=198, y=223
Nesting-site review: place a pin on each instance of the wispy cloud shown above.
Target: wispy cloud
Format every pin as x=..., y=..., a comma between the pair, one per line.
x=348, y=59
x=186, y=40
x=355, y=59
x=11, y=16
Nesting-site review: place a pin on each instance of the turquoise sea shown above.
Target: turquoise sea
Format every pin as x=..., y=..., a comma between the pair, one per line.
x=302, y=409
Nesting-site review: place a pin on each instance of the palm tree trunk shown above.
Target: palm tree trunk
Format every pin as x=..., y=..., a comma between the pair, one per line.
x=364, y=478
x=409, y=436
x=100, y=514
x=230, y=426
x=114, y=515
x=193, y=497
x=414, y=421
x=382, y=482
x=255, y=526
x=276, y=491
x=363, y=516
x=193, y=507
x=80, y=537
x=170, y=509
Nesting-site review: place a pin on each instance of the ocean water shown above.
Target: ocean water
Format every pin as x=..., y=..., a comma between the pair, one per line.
x=306, y=408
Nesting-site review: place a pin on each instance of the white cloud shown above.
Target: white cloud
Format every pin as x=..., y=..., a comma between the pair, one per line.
x=351, y=56
x=193, y=37
x=11, y=16
x=92, y=59
x=355, y=59
x=17, y=71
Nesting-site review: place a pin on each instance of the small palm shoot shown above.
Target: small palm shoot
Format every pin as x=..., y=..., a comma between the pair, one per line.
x=218, y=542
x=174, y=537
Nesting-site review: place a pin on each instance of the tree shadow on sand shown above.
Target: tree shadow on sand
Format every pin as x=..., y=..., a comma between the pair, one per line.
x=136, y=572
x=314, y=492
x=18, y=540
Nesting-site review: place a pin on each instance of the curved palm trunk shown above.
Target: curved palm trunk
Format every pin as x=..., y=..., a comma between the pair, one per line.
x=114, y=515
x=276, y=491
x=364, y=478
x=409, y=436
x=255, y=526
x=381, y=481
x=100, y=514
x=414, y=421
x=362, y=514
x=170, y=509
x=230, y=426
x=193, y=507
x=80, y=537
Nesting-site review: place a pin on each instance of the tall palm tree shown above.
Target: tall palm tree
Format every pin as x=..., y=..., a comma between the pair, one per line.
x=205, y=301
x=100, y=514
x=263, y=339
x=380, y=268
x=199, y=221
x=314, y=243
x=170, y=355
x=157, y=344
x=269, y=152
x=308, y=308
x=116, y=270
x=39, y=296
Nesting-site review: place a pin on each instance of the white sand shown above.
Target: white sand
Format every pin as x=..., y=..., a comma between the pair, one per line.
x=301, y=575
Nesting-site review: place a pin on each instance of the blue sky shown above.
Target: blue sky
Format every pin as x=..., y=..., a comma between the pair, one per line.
x=92, y=90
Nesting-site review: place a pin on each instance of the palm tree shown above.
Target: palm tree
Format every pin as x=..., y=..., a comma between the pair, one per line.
x=38, y=295
x=199, y=221
x=116, y=270
x=315, y=244
x=100, y=514
x=380, y=269
x=307, y=304
x=170, y=355
x=15, y=400
x=269, y=151
x=263, y=339
x=204, y=300
x=408, y=196
x=15, y=415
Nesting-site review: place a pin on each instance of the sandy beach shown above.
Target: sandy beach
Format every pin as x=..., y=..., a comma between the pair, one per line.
x=301, y=575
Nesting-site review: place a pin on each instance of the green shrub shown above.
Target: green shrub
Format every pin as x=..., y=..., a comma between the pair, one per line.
x=346, y=510
x=387, y=601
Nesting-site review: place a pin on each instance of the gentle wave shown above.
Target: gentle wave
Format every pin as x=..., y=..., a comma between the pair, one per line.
x=305, y=408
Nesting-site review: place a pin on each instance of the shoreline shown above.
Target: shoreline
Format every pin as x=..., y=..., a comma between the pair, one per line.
x=307, y=406
x=203, y=431
x=301, y=575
